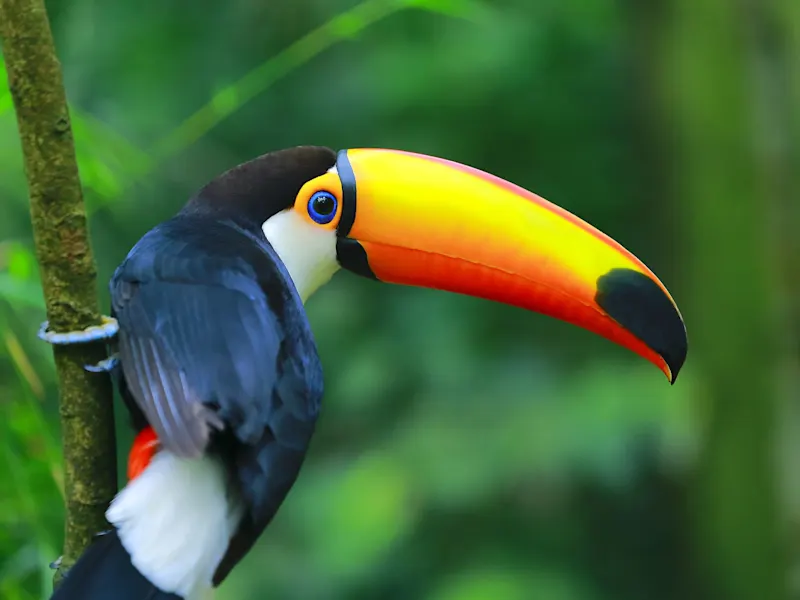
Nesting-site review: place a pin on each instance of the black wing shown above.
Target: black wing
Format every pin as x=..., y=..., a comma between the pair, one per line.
x=213, y=337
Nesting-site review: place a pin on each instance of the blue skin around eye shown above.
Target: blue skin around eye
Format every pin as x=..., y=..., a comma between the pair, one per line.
x=317, y=217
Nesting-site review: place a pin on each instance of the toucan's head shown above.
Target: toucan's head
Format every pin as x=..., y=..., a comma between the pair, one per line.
x=407, y=218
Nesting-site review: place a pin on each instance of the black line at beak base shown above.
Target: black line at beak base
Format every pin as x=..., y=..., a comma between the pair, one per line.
x=349, y=194
x=639, y=305
x=352, y=256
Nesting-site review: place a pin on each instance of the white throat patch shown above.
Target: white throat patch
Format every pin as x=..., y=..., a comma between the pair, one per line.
x=308, y=252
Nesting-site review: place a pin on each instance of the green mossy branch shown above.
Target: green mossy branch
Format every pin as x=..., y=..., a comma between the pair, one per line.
x=67, y=267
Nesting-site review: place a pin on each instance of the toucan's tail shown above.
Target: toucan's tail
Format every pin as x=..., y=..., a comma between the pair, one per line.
x=105, y=572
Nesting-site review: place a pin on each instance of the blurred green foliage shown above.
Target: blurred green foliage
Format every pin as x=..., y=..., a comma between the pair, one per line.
x=466, y=450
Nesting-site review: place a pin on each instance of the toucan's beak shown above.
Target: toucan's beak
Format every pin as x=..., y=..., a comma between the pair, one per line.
x=423, y=221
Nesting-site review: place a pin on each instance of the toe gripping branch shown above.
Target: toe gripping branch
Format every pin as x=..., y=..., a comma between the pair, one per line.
x=105, y=331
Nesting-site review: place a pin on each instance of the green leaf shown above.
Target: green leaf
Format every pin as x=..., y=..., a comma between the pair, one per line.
x=467, y=9
x=21, y=291
x=5, y=94
x=21, y=262
x=225, y=101
x=507, y=584
x=347, y=25
x=107, y=161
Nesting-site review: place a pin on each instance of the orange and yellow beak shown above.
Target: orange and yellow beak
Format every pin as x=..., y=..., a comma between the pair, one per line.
x=423, y=221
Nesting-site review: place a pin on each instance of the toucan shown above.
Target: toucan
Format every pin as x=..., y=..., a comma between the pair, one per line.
x=217, y=363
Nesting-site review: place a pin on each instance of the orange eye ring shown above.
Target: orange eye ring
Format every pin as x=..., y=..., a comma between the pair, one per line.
x=320, y=201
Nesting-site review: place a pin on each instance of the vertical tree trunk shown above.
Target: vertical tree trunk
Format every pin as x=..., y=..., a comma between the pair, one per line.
x=67, y=266
x=776, y=30
x=722, y=58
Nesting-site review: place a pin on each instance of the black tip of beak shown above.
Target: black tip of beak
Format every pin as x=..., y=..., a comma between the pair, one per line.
x=639, y=305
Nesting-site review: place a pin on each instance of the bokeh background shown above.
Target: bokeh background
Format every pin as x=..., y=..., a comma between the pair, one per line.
x=466, y=450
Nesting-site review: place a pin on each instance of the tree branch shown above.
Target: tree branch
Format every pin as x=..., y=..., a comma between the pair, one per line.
x=723, y=107
x=67, y=267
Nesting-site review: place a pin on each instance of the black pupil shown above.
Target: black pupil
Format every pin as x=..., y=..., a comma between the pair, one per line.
x=323, y=205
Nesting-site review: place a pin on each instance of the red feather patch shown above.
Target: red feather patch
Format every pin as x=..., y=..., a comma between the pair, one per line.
x=144, y=447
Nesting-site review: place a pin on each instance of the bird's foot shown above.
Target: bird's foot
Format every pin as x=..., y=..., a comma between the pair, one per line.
x=107, y=365
x=106, y=330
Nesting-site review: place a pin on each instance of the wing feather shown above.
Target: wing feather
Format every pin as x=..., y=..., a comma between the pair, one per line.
x=213, y=336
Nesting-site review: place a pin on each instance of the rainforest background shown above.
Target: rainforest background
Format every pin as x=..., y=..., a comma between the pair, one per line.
x=467, y=450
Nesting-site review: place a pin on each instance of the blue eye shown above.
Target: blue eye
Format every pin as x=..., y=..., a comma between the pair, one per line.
x=322, y=207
